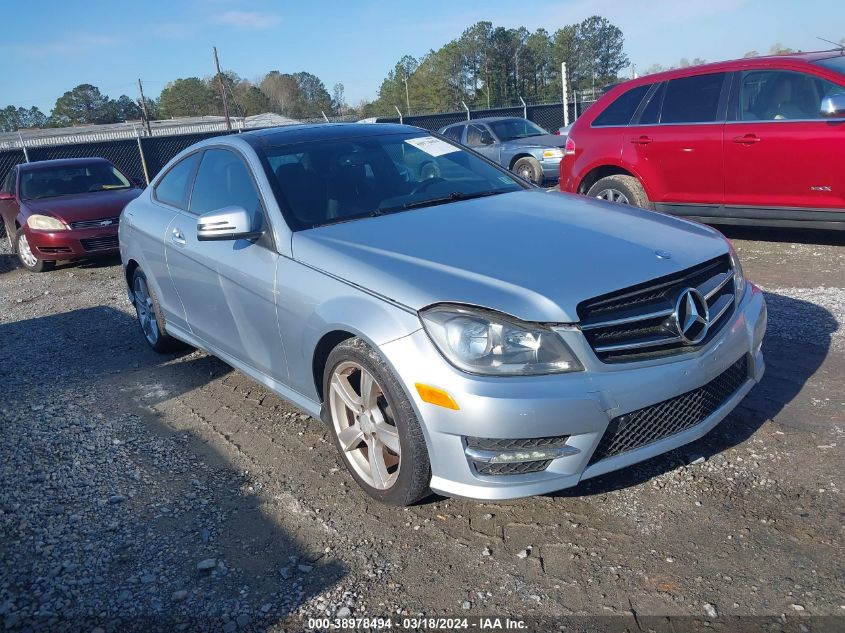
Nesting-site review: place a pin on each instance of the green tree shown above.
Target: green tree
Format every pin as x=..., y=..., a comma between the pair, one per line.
x=190, y=96
x=314, y=99
x=12, y=118
x=85, y=104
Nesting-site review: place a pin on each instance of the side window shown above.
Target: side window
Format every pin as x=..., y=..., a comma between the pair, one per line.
x=651, y=112
x=775, y=95
x=623, y=107
x=692, y=99
x=454, y=132
x=474, y=135
x=223, y=180
x=173, y=189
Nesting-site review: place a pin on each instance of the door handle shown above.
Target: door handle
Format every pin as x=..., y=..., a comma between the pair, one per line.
x=178, y=238
x=641, y=140
x=748, y=139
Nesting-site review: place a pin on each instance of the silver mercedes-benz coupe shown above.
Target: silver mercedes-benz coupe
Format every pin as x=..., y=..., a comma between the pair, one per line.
x=458, y=329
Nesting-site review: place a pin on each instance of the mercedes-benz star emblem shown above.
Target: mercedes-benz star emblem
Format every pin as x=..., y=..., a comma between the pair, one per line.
x=692, y=318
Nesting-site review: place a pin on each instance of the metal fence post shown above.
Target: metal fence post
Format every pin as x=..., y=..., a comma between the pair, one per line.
x=141, y=154
x=524, y=107
x=400, y=114
x=23, y=147
x=564, y=90
x=467, y=109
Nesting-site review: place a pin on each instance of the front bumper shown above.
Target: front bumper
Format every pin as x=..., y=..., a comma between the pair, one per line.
x=579, y=405
x=551, y=168
x=73, y=243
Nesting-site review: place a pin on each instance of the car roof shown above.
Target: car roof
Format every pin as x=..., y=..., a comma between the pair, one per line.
x=489, y=119
x=60, y=162
x=734, y=64
x=323, y=131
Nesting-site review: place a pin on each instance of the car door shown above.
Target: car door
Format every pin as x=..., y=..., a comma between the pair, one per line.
x=780, y=151
x=150, y=219
x=481, y=139
x=675, y=145
x=228, y=286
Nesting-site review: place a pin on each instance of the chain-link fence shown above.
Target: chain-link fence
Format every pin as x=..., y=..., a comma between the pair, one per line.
x=158, y=150
x=548, y=115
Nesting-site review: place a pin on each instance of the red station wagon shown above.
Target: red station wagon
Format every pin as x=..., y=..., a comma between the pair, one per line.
x=751, y=141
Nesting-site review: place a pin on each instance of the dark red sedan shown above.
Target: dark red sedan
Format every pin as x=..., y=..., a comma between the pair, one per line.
x=63, y=209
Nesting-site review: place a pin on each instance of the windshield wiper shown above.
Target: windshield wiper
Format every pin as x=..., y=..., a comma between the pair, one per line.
x=452, y=197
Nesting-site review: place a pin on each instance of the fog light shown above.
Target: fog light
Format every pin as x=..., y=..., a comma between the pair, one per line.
x=510, y=457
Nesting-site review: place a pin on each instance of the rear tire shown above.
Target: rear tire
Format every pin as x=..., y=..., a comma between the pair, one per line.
x=379, y=418
x=27, y=258
x=529, y=169
x=621, y=189
x=149, y=316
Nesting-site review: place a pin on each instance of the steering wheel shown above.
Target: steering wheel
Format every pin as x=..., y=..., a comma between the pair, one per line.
x=425, y=184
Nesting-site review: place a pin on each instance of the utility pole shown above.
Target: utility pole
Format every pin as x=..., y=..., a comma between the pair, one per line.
x=144, y=109
x=407, y=97
x=222, y=89
x=564, y=95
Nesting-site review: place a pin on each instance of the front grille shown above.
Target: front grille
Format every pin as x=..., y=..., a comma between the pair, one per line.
x=100, y=243
x=515, y=468
x=495, y=444
x=638, y=322
x=95, y=224
x=650, y=424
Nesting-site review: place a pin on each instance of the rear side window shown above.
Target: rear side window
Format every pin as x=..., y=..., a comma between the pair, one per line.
x=775, y=95
x=454, y=132
x=622, y=109
x=692, y=99
x=173, y=189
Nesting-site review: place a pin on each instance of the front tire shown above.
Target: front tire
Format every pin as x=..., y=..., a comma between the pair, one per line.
x=149, y=316
x=528, y=168
x=374, y=425
x=621, y=189
x=27, y=258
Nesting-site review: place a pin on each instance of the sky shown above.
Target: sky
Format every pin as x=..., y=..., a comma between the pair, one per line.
x=50, y=46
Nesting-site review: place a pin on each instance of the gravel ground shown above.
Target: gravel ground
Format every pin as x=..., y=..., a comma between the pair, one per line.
x=141, y=491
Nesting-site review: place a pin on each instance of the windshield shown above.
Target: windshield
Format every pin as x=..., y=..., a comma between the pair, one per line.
x=335, y=180
x=834, y=63
x=510, y=129
x=66, y=181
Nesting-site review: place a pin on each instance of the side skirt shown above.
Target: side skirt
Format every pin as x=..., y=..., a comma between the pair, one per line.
x=309, y=406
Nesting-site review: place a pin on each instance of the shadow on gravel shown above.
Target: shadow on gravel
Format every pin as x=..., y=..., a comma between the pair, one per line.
x=781, y=235
x=797, y=341
x=69, y=412
x=8, y=263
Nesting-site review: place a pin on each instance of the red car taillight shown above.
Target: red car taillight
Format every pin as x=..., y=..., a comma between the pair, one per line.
x=569, y=150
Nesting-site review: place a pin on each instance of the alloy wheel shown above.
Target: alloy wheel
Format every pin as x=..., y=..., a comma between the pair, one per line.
x=364, y=425
x=146, y=311
x=613, y=195
x=25, y=252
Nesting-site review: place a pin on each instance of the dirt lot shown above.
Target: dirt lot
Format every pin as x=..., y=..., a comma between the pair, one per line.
x=140, y=490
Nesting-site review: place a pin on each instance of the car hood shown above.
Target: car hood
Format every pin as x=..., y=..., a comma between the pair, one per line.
x=545, y=140
x=531, y=254
x=84, y=206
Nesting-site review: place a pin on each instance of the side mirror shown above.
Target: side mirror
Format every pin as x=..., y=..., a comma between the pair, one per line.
x=228, y=223
x=486, y=138
x=833, y=106
x=6, y=195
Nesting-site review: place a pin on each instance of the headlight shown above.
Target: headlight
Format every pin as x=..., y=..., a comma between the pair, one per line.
x=553, y=153
x=483, y=342
x=739, y=276
x=45, y=223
